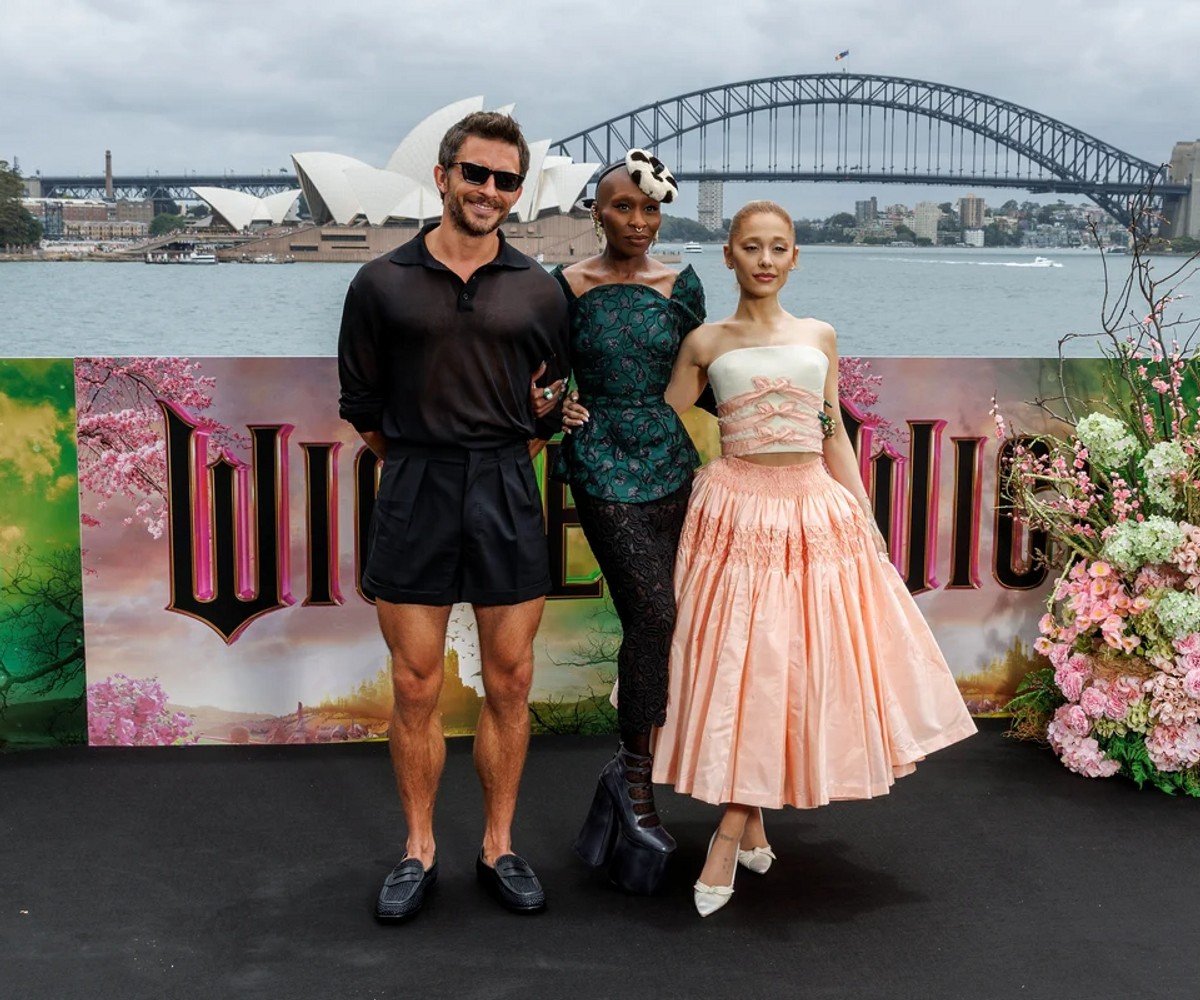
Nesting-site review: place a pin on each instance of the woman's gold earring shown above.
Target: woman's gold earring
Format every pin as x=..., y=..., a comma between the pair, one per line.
x=599, y=229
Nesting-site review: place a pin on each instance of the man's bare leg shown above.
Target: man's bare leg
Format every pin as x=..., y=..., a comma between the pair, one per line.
x=416, y=638
x=502, y=737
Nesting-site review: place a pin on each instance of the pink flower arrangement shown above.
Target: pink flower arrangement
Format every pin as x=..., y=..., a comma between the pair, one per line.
x=1121, y=634
x=131, y=711
x=1117, y=493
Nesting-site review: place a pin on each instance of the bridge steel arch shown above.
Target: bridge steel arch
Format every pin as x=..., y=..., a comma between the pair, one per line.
x=1039, y=153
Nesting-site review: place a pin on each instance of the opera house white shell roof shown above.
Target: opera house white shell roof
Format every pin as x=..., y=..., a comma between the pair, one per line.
x=342, y=189
x=241, y=210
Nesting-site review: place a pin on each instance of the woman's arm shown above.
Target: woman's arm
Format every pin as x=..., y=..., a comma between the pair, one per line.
x=839, y=453
x=689, y=376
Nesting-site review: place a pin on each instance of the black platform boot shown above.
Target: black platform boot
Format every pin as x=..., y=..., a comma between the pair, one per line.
x=622, y=828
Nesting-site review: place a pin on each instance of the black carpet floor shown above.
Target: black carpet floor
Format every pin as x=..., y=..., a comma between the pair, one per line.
x=222, y=872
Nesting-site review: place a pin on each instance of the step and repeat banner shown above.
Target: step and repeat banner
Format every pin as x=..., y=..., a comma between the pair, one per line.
x=181, y=539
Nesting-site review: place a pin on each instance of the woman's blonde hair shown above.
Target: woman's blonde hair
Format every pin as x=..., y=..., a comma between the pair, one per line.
x=757, y=208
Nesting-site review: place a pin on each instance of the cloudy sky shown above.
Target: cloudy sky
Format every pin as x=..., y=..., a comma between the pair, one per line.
x=216, y=85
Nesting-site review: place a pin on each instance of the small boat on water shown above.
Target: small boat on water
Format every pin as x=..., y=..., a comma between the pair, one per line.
x=693, y=247
x=191, y=257
x=1044, y=262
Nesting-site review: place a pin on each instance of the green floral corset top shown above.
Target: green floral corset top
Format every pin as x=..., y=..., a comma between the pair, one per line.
x=624, y=340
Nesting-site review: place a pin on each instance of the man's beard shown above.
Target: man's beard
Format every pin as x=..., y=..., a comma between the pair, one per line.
x=471, y=226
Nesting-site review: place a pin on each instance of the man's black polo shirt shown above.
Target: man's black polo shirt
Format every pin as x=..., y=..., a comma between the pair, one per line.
x=428, y=359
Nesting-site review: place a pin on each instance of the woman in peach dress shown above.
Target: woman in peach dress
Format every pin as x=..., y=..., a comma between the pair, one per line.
x=801, y=671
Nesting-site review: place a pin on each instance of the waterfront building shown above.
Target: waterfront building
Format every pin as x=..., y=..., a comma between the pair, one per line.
x=711, y=205
x=866, y=212
x=125, y=210
x=105, y=229
x=340, y=189
x=925, y=220
x=972, y=237
x=970, y=212
x=239, y=211
x=360, y=211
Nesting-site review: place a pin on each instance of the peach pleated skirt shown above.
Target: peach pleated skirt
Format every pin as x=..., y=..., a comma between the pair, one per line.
x=801, y=670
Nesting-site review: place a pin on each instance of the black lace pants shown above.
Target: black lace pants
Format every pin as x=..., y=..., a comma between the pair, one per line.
x=634, y=544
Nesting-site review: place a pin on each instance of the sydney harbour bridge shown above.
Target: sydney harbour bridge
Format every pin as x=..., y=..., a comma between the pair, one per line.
x=822, y=127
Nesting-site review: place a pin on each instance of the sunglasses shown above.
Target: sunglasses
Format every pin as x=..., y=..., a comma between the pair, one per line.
x=505, y=180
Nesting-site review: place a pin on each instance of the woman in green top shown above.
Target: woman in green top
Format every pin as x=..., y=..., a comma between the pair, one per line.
x=629, y=464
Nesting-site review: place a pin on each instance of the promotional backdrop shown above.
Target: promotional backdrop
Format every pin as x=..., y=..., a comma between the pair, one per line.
x=223, y=544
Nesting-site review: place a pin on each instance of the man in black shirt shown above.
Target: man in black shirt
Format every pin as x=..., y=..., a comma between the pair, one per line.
x=437, y=347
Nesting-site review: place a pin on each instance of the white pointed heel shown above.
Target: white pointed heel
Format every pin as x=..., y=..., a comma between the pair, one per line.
x=710, y=898
x=757, y=859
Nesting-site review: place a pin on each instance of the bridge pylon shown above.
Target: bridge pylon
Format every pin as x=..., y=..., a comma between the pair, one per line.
x=1183, y=211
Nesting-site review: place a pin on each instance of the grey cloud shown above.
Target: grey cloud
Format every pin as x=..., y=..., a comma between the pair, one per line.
x=219, y=85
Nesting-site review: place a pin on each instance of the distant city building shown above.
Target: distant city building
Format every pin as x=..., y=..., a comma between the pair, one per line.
x=710, y=211
x=925, y=220
x=973, y=237
x=866, y=212
x=106, y=230
x=970, y=212
x=133, y=211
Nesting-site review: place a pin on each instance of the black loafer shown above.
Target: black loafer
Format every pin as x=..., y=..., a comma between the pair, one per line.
x=512, y=882
x=404, y=890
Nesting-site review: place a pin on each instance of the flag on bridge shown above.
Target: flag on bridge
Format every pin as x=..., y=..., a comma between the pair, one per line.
x=841, y=55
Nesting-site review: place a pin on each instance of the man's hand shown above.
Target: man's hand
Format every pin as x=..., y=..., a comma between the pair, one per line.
x=544, y=399
x=376, y=442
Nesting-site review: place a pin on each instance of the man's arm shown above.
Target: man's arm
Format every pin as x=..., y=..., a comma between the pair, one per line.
x=376, y=442
x=557, y=370
x=360, y=369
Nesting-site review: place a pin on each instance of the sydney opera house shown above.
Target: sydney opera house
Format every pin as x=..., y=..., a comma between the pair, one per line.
x=360, y=211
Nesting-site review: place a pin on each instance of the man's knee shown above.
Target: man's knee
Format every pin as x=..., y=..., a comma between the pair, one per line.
x=415, y=686
x=508, y=682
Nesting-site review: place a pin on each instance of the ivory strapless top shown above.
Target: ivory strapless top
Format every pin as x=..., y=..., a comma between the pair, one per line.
x=770, y=398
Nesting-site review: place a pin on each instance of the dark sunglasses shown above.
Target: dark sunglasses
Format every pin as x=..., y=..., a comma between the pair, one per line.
x=473, y=173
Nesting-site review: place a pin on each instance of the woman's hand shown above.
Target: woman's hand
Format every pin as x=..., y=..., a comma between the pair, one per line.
x=544, y=398
x=574, y=414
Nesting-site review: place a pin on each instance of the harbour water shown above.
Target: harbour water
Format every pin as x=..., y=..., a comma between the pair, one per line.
x=882, y=300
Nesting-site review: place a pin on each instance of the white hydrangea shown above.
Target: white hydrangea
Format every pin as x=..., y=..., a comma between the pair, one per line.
x=1162, y=464
x=1108, y=441
x=1134, y=544
x=1179, y=613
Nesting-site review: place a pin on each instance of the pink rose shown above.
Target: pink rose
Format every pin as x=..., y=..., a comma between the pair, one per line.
x=1059, y=654
x=1070, y=683
x=1076, y=720
x=1117, y=707
x=1191, y=683
x=1094, y=701
x=1189, y=644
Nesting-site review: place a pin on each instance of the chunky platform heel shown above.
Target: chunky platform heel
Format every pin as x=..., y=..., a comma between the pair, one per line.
x=636, y=868
x=595, y=841
x=616, y=832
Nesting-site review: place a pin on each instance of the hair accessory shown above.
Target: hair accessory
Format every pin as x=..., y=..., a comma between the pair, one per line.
x=651, y=175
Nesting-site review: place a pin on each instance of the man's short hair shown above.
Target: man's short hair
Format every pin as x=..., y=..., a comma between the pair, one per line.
x=484, y=125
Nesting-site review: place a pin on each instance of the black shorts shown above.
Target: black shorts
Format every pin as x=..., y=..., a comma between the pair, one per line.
x=453, y=524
